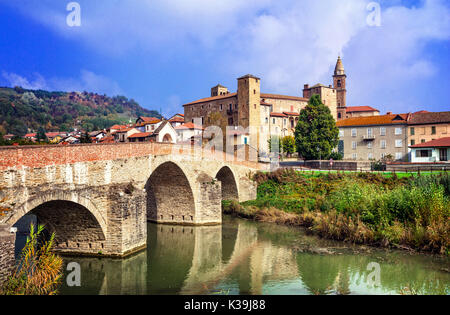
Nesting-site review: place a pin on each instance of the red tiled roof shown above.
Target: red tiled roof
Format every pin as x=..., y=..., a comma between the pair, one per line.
x=52, y=134
x=373, y=120
x=277, y=115
x=354, y=109
x=189, y=126
x=109, y=139
x=30, y=135
x=210, y=99
x=118, y=127
x=141, y=135
x=291, y=114
x=438, y=143
x=284, y=97
x=429, y=118
x=265, y=103
x=177, y=119
x=149, y=119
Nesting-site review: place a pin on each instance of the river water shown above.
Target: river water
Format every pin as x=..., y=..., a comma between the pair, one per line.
x=242, y=257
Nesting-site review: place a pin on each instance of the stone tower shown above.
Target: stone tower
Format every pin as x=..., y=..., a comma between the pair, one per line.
x=218, y=90
x=339, y=79
x=249, y=103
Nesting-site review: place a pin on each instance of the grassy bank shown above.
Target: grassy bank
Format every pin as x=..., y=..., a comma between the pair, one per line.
x=364, y=208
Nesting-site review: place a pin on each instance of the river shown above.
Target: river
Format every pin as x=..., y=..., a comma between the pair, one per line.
x=242, y=257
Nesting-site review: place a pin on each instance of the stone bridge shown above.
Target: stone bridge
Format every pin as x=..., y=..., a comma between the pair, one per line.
x=98, y=198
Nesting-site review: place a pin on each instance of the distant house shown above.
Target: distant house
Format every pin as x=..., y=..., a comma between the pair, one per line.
x=123, y=134
x=96, y=136
x=149, y=124
x=164, y=133
x=188, y=131
x=70, y=140
x=361, y=111
x=115, y=128
x=8, y=137
x=30, y=136
x=432, y=151
x=177, y=120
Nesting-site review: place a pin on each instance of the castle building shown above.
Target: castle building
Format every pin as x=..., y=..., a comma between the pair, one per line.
x=258, y=115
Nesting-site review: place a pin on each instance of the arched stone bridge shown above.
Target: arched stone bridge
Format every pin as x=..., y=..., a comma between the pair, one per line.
x=98, y=198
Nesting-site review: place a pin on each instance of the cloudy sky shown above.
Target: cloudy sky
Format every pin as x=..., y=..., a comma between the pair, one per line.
x=164, y=53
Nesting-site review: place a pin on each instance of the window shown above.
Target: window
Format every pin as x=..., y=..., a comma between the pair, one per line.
x=273, y=120
x=370, y=156
x=413, y=132
x=369, y=132
x=267, y=120
x=383, y=144
x=383, y=155
x=285, y=121
x=339, y=115
x=422, y=141
x=413, y=142
x=423, y=153
x=254, y=91
x=353, y=132
x=341, y=133
x=398, y=143
x=433, y=130
x=398, y=131
x=369, y=145
x=398, y=155
x=339, y=84
x=354, y=156
x=221, y=107
x=382, y=131
x=354, y=145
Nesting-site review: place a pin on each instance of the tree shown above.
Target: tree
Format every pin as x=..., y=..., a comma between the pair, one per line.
x=85, y=138
x=40, y=136
x=316, y=134
x=288, y=144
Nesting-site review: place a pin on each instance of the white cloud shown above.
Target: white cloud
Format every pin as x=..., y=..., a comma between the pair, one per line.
x=87, y=81
x=14, y=80
x=286, y=42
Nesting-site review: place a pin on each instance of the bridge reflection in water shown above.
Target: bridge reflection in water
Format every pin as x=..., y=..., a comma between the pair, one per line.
x=245, y=258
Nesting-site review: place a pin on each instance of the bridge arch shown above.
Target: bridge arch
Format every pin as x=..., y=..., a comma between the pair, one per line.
x=230, y=189
x=78, y=224
x=170, y=198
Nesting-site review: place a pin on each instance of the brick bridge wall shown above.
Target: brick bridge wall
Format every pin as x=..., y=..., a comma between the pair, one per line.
x=97, y=197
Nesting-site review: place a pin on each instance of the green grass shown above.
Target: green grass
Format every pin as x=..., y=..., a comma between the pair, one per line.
x=383, y=209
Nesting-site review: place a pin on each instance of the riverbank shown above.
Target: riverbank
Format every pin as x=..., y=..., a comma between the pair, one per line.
x=362, y=208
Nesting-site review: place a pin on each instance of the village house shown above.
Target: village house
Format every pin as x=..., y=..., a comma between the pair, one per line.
x=188, y=132
x=374, y=137
x=428, y=126
x=432, y=151
x=177, y=120
x=361, y=111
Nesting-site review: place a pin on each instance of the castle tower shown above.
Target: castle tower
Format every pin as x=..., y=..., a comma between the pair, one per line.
x=218, y=90
x=339, y=80
x=249, y=101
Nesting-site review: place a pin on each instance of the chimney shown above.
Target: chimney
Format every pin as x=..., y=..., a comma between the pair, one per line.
x=389, y=113
x=306, y=86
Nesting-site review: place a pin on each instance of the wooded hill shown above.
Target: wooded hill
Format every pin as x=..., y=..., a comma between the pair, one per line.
x=23, y=111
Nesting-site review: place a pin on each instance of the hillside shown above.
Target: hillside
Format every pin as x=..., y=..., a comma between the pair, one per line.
x=23, y=111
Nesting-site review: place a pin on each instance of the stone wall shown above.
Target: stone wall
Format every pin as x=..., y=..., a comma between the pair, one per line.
x=7, y=245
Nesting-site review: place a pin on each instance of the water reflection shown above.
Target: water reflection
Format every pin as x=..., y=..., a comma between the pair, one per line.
x=242, y=257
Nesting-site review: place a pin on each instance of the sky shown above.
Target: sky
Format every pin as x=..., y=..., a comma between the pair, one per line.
x=165, y=53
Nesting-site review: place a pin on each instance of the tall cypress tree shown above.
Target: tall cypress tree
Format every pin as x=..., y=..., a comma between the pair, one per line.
x=316, y=134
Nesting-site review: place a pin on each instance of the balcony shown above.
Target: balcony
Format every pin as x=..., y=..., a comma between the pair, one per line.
x=369, y=138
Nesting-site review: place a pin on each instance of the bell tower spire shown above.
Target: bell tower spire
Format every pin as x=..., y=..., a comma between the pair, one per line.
x=339, y=80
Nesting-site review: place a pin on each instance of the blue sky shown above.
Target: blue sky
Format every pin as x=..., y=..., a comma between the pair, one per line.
x=164, y=53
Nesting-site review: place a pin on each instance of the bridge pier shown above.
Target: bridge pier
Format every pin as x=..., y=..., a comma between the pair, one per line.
x=7, y=246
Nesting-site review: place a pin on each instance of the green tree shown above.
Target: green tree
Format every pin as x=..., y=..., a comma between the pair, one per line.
x=316, y=134
x=288, y=144
x=85, y=138
x=40, y=136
